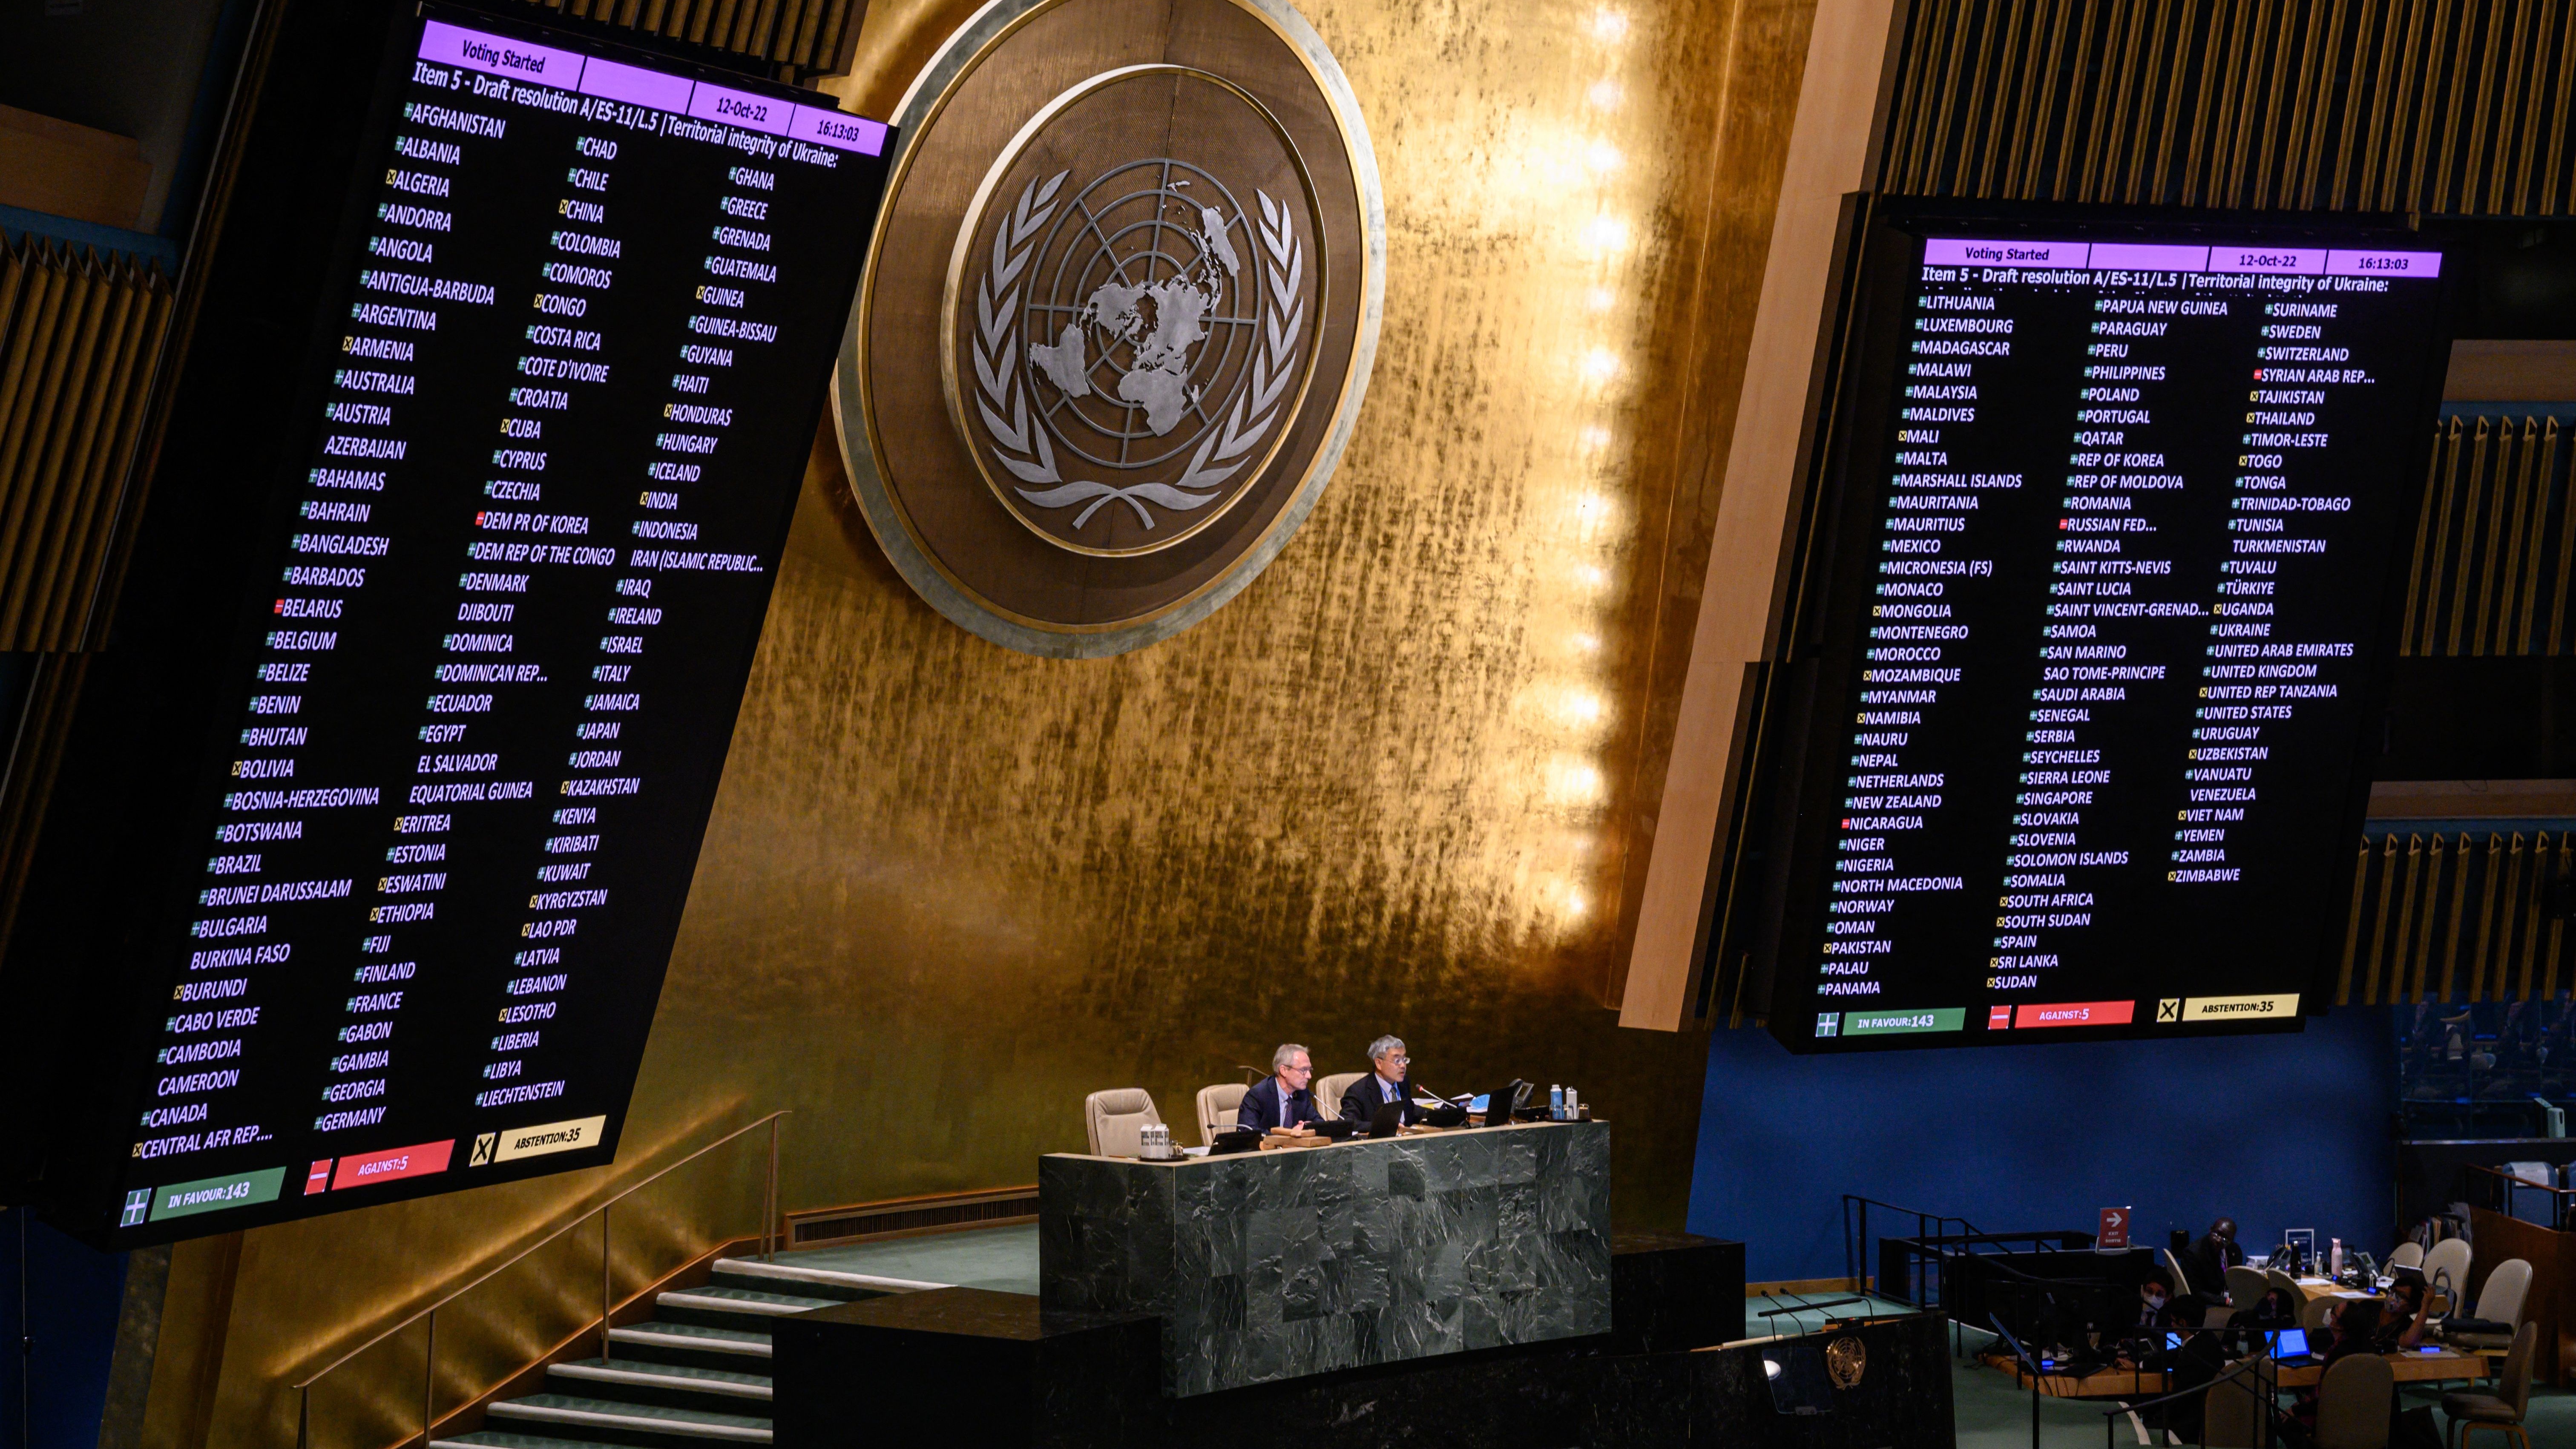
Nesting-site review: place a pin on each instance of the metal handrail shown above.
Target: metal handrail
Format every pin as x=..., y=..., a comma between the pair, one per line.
x=2234, y=1374
x=1856, y=1248
x=429, y=1368
x=2562, y=1200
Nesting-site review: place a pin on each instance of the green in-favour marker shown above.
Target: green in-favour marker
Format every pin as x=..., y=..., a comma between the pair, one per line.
x=1889, y=1023
x=213, y=1194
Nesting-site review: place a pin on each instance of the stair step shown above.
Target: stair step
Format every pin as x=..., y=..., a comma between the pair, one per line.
x=611, y=1421
x=676, y=1386
x=488, y=1439
x=733, y=1349
x=721, y=1307
x=821, y=1282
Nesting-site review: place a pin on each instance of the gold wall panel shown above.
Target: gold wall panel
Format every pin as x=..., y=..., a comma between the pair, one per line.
x=79, y=333
x=1394, y=786
x=2494, y=543
x=801, y=37
x=2456, y=916
x=2453, y=106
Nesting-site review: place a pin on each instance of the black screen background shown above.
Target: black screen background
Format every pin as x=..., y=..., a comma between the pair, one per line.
x=104, y=924
x=2274, y=932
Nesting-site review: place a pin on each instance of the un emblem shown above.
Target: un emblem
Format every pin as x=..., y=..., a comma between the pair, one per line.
x=1158, y=360
x=1155, y=309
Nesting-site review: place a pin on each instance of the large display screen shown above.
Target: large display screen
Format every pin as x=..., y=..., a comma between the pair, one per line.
x=2068, y=739
x=403, y=926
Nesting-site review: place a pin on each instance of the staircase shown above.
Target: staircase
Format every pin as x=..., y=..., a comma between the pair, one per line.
x=695, y=1375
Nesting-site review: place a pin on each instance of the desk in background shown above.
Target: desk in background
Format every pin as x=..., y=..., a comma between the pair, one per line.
x=2112, y=1383
x=1266, y=1266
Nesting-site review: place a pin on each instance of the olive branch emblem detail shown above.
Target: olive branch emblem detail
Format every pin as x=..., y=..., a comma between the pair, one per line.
x=1005, y=394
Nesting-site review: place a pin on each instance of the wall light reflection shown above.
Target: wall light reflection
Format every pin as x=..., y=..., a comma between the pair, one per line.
x=1573, y=780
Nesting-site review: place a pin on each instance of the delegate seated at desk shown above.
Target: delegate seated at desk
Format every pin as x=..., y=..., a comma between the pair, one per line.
x=2153, y=1294
x=2401, y=1317
x=1285, y=1098
x=1384, y=1084
x=2199, y=1360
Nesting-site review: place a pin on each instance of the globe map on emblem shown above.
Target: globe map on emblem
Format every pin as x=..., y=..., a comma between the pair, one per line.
x=1119, y=313
x=1145, y=312
x=1132, y=342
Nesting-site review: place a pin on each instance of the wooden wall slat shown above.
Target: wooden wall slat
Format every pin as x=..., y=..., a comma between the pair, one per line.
x=804, y=38
x=2440, y=106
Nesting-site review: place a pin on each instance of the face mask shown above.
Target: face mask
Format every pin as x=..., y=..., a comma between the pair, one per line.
x=2155, y=1300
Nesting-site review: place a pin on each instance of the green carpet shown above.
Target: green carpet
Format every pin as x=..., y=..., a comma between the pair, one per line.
x=1003, y=1259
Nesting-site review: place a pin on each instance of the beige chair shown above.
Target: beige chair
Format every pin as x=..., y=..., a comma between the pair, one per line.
x=2408, y=1255
x=1115, y=1119
x=1218, y=1106
x=1328, y=1092
x=2315, y=1314
x=2500, y=1301
x=2173, y=1265
x=2353, y=1403
x=2502, y=1410
x=2285, y=1283
x=2235, y=1414
x=2246, y=1286
x=2446, y=1268
x=2219, y=1315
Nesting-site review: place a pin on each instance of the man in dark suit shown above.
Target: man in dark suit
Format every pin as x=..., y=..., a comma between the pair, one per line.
x=1383, y=1085
x=1286, y=1097
x=2206, y=1262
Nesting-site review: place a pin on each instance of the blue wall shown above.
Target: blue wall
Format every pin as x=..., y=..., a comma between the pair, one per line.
x=2276, y=1131
x=72, y=1296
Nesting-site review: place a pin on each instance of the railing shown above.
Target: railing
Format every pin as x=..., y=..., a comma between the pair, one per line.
x=2502, y=1193
x=2263, y=1388
x=1858, y=1245
x=607, y=1307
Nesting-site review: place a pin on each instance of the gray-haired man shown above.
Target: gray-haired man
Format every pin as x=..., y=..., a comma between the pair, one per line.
x=1384, y=1083
x=1285, y=1098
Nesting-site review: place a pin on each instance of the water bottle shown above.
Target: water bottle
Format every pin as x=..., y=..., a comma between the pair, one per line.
x=1573, y=1106
x=1556, y=1104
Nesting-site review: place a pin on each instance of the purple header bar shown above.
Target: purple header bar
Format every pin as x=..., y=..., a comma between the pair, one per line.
x=1948, y=252
x=472, y=49
x=837, y=129
x=610, y=80
x=2294, y=261
x=2136, y=257
x=2383, y=264
x=2131, y=257
x=634, y=85
x=740, y=108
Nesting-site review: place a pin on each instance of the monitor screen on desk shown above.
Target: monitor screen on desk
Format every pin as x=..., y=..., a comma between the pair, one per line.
x=2286, y=1343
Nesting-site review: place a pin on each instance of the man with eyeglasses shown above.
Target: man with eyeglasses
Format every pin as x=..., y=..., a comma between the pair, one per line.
x=1383, y=1085
x=1286, y=1099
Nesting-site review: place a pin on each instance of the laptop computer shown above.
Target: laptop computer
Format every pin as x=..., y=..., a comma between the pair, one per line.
x=2288, y=1347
